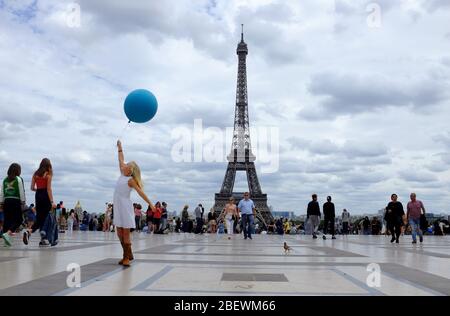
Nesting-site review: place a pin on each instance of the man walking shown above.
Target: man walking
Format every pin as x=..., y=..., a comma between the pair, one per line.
x=246, y=208
x=413, y=213
x=329, y=218
x=199, y=218
x=345, y=221
x=313, y=215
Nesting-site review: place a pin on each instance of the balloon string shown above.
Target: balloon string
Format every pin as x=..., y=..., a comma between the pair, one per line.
x=123, y=130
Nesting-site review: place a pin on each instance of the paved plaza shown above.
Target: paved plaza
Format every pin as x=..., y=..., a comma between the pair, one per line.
x=191, y=265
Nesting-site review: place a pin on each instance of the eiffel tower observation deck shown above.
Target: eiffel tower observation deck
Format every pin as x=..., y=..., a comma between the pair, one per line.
x=241, y=158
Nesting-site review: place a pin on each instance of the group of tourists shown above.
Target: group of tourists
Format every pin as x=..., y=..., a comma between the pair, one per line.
x=13, y=204
x=124, y=216
x=395, y=217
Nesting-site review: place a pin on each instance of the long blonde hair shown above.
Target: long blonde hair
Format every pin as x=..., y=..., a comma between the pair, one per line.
x=136, y=174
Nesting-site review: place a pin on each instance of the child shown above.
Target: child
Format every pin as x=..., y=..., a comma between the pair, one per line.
x=31, y=216
x=12, y=202
x=221, y=229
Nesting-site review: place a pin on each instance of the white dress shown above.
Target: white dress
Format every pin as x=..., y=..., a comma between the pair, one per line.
x=123, y=207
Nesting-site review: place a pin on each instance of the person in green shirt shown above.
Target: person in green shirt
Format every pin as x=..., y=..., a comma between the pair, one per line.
x=12, y=202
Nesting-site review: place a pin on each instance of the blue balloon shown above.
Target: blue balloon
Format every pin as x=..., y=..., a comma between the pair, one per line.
x=140, y=106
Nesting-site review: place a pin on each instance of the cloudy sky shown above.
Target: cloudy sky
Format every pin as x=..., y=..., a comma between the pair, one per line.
x=360, y=97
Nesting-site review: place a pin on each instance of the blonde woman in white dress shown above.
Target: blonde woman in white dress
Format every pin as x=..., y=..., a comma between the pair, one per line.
x=129, y=179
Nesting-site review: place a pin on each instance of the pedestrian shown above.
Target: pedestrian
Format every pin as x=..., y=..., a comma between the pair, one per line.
x=394, y=217
x=178, y=225
x=313, y=215
x=31, y=216
x=375, y=226
x=137, y=216
x=164, y=215
x=41, y=183
x=345, y=221
x=12, y=202
x=366, y=226
x=212, y=221
x=130, y=178
x=246, y=208
x=229, y=213
x=199, y=218
x=107, y=221
x=329, y=218
x=415, y=210
x=149, y=219
x=157, y=217
x=185, y=219
x=71, y=221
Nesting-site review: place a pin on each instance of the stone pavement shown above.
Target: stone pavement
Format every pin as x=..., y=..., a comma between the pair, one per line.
x=191, y=265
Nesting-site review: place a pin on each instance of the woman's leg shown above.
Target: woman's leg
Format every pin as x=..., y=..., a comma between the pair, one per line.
x=12, y=215
x=120, y=234
x=127, y=247
x=230, y=225
x=126, y=235
x=392, y=231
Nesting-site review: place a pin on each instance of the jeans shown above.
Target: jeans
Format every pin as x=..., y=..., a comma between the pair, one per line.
x=415, y=227
x=230, y=226
x=163, y=223
x=247, y=223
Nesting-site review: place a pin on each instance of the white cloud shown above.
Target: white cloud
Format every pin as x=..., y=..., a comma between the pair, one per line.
x=361, y=112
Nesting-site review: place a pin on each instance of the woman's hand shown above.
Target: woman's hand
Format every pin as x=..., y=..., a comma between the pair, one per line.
x=119, y=145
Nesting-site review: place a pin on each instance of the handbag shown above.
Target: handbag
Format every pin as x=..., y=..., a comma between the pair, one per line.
x=423, y=222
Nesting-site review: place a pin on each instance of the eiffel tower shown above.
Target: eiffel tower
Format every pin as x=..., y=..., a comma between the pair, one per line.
x=241, y=157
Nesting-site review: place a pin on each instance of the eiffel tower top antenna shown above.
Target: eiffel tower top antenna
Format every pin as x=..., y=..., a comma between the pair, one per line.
x=242, y=33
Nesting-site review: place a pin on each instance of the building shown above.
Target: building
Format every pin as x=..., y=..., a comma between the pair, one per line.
x=283, y=214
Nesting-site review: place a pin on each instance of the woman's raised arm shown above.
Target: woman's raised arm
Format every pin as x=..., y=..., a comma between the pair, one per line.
x=120, y=156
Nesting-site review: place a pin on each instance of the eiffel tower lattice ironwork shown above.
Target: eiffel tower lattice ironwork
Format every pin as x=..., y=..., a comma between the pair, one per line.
x=241, y=157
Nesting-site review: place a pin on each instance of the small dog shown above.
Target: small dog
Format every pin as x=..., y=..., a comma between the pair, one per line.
x=286, y=248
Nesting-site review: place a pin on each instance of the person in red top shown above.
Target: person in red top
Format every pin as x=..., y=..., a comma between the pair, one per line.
x=414, y=211
x=41, y=183
x=157, y=217
x=149, y=219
